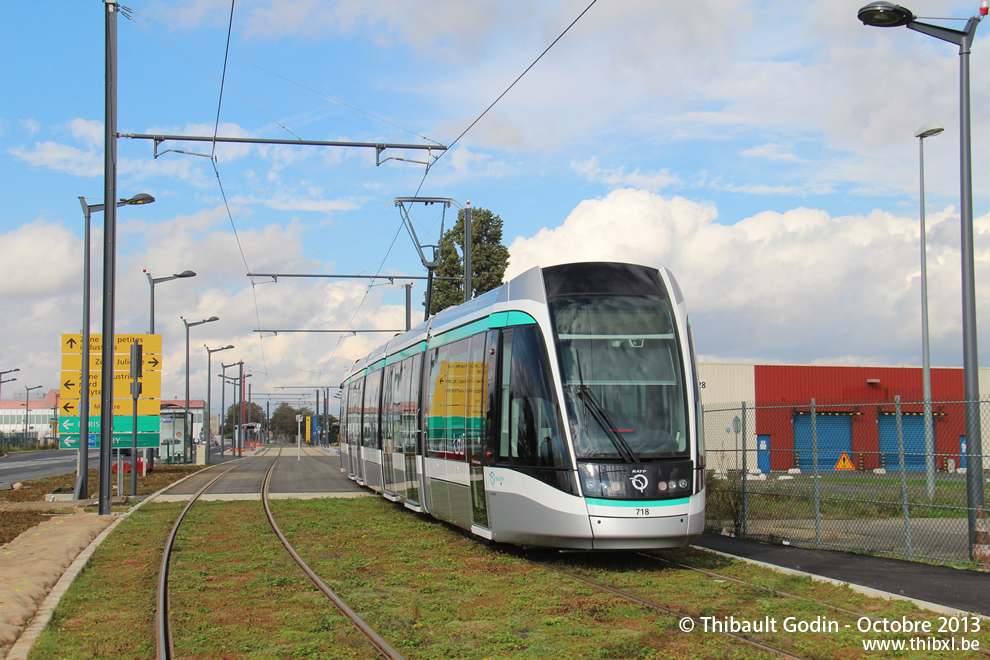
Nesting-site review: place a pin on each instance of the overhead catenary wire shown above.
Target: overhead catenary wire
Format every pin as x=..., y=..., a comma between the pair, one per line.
x=422, y=181
x=271, y=73
x=464, y=132
x=520, y=77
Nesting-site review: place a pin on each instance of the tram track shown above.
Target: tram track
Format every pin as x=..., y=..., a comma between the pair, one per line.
x=163, y=628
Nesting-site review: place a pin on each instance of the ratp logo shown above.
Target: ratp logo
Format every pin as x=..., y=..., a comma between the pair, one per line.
x=639, y=482
x=492, y=479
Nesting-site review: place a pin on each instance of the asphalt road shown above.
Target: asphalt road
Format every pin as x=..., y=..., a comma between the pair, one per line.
x=25, y=465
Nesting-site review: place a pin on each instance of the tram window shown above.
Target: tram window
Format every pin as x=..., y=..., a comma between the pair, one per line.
x=410, y=402
x=530, y=434
x=457, y=398
x=354, y=411
x=476, y=423
x=389, y=405
x=436, y=412
x=372, y=401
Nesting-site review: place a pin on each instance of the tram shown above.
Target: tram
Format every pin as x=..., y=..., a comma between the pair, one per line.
x=560, y=410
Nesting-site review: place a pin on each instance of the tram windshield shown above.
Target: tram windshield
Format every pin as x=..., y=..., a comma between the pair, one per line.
x=623, y=379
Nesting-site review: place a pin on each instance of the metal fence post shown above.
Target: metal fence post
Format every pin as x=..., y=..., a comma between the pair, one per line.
x=818, y=488
x=745, y=516
x=904, y=495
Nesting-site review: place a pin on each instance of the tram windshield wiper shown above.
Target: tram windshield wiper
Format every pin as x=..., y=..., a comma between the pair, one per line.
x=597, y=410
x=601, y=416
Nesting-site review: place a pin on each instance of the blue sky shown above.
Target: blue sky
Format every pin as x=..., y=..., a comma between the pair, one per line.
x=763, y=151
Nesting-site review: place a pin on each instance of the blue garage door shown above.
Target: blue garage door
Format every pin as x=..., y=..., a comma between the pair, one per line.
x=913, y=427
x=834, y=439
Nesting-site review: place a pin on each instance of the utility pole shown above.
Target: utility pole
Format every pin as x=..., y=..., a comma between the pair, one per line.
x=467, y=251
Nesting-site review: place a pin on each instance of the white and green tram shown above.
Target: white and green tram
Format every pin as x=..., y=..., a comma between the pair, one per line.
x=559, y=410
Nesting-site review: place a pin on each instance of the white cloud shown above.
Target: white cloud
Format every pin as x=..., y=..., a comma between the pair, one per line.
x=800, y=285
x=772, y=151
x=30, y=126
x=88, y=131
x=617, y=177
x=61, y=158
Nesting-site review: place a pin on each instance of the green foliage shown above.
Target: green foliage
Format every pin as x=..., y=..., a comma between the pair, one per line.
x=489, y=259
x=252, y=413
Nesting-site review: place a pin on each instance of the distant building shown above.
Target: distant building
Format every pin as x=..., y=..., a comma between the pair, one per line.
x=844, y=415
x=44, y=413
x=42, y=417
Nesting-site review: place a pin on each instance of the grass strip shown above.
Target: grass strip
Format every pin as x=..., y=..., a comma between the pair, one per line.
x=426, y=588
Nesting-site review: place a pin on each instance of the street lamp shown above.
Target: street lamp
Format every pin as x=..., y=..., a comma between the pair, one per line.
x=27, y=399
x=187, y=443
x=928, y=130
x=209, y=391
x=152, y=281
x=887, y=14
x=82, y=460
x=9, y=380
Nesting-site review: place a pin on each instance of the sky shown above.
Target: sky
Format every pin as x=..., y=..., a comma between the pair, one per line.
x=763, y=151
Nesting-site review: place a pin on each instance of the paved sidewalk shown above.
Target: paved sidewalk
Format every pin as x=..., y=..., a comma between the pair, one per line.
x=952, y=588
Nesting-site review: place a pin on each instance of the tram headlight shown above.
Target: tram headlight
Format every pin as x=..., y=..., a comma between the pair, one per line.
x=683, y=483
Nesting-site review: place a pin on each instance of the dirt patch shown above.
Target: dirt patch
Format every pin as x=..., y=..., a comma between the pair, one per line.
x=14, y=522
x=34, y=561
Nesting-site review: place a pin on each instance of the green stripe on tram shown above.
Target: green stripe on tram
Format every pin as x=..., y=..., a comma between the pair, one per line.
x=637, y=504
x=415, y=349
x=507, y=319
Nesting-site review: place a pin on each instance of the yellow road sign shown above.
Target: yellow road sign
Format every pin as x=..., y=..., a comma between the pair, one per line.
x=72, y=343
x=71, y=384
x=73, y=362
x=120, y=406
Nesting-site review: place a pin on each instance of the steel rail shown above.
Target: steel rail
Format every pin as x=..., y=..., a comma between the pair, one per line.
x=380, y=644
x=668, y=610
x=163, y=628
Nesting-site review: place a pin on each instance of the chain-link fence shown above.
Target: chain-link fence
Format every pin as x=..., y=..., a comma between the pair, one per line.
x=9, y=441
x=885, y=478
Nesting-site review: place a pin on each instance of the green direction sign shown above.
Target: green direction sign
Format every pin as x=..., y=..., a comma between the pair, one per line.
x=121, y=424
x=120, y=440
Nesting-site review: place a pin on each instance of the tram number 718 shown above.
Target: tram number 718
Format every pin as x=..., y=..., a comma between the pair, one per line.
x=642, y=512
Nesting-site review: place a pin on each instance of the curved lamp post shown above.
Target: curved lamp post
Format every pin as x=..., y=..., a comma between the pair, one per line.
x=82, y=461
x=928, y=130
x=27, y=400
x=152, y=281
x=209, y=391
x=186, y=441
x=887, y=14
x=4, y=373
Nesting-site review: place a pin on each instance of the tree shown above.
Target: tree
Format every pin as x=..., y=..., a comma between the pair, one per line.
x=252, y=413
x=284, y=421
x=489, y=259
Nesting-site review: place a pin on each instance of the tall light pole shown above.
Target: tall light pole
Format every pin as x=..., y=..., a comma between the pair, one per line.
x=4, y=373
x=187, y=443
x=209, y=391
x=887, y=14
x=152, y=281
x=82, y=461
x=27, y=400
x=928, y=130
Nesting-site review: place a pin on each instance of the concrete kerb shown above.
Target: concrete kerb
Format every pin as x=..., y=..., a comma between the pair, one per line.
x=866, y=591
x=28, y=637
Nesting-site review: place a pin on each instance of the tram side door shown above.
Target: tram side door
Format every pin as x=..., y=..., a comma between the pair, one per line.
x=484, y=365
